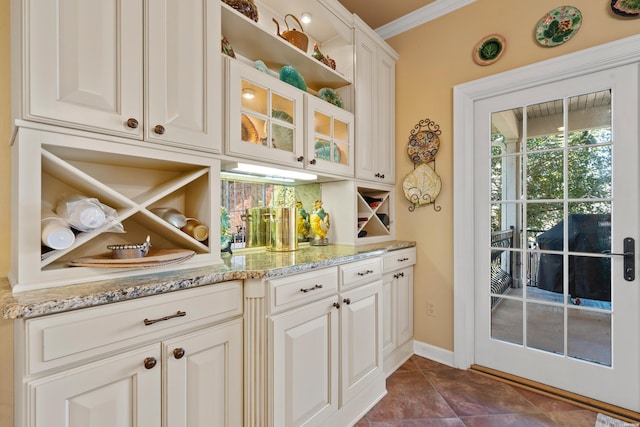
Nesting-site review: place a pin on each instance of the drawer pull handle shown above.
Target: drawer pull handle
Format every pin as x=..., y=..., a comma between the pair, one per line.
x=300, y=158
x=397, y=276
x=313, y=288
x=159, y=129
x=403, y=259
x=178, y=353
x=148, y=322
x=336, y=304
x=347, y=301
x=364, y=273
x=150, y=362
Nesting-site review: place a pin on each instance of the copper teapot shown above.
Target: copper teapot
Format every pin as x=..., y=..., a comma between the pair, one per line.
x=297, y=38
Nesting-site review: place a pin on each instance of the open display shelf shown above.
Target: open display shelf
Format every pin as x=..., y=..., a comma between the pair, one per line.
x=50, y=166
x=373, y=213
x=368, y=219
x=252, y=41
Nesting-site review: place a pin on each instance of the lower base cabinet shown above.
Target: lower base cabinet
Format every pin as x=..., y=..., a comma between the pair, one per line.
x=117, y=391
x=397, y=291
x=323, y=332
x=151, y=368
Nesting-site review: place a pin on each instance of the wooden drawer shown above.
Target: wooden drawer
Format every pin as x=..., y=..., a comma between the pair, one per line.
x=60, y=339
x=292, y=291
x=399, y=259
x=360, y=272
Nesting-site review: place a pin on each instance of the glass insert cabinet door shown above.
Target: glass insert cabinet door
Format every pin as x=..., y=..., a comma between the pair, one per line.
x=266, y=116
x=556, y=222
x=329, y=137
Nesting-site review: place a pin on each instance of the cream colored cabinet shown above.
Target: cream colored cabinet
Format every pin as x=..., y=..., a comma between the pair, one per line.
x=329, y=138
x=374, y=106
x=365, y=211
x=265, y=117
x=360, y=339
x=123, y=390
x=173, y=359
x=305, y=355
x=49, y=164
x=146, y=70
x=203, y=377
x=323, y=333
x=397, y=290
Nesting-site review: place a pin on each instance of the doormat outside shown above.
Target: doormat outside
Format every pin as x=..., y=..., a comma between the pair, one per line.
x=606, y=421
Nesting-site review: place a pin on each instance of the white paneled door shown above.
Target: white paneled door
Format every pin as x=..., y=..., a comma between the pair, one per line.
x=556, y=234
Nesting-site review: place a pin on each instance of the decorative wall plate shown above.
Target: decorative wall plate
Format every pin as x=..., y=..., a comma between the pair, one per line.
x=627, y=8
x=558, y=26
x=424, y=141
x=489, y=49
x=422, y=186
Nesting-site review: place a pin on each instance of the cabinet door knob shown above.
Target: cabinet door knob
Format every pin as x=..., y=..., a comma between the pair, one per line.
x=159, y=129
x=301, y=158
x=347, y=301
x=150, y=362
x=132, y=123
x=312, y=161
x=336, y=304
x=178, y=353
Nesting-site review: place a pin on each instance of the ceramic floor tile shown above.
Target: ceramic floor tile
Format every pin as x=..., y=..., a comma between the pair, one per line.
x=409, y=396
x=424, y=393
x=469, y=393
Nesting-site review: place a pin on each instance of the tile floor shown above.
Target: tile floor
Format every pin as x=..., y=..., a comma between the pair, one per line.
x=425, y=393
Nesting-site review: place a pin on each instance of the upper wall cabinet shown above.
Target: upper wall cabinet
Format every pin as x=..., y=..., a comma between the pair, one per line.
x=329, y=138
x=142, y=70
x=265, y=117
x=375, y=106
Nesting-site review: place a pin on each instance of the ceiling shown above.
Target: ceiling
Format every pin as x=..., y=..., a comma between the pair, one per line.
x=377, y=13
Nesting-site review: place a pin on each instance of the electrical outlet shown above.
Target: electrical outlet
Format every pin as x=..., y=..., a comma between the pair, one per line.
x=431, y=309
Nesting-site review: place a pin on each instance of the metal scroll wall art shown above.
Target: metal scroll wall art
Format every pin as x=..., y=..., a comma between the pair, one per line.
x=422, y=185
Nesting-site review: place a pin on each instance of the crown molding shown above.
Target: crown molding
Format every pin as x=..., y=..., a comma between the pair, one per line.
x=420, y=16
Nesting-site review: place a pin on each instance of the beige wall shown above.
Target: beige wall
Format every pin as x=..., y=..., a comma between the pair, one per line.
x=434, y=58
x=6, y=331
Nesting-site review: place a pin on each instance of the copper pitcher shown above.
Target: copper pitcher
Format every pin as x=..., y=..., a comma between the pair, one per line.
x=297, y=38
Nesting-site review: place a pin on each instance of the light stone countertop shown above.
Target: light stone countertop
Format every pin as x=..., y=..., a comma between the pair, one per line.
x=245, y=264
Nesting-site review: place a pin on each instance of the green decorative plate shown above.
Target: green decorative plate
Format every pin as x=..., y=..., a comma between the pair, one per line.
x=489, y=49
x=627, y=8
x=558, y=26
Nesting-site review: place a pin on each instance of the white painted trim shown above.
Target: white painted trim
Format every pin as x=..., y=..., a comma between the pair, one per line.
x=617, y=53
x=420, y=16
x=434, y=353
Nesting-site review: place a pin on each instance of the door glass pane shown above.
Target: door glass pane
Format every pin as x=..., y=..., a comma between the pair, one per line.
x=544, y=175
x=589, y=170
x=254, y=97
x=340, y=130
x=253, y=129
x=322, y=123
x=554, y=195
x=506, y=321
x=589, y=336
x=545, y=327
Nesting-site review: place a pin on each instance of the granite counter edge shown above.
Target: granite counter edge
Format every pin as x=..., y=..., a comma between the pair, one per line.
x=66, y=298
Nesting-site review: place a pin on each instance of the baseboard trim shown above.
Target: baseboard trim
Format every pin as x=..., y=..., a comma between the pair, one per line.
x=575, y=399
x=434, y=353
